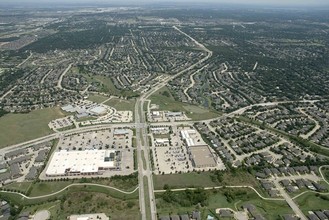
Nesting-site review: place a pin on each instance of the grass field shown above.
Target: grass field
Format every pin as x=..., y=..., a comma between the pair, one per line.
x=325, y=172
x=127, y=183
x=17, y=128
x=106, y=85
x=82, y=201
x=217, y=199
x=21, y=186
x=43, y=188
x=203, y=179
x=18, y=199
x=97, y=98
x=170, y=104
x=310, y=202
x=122, y=104
x=146, y=198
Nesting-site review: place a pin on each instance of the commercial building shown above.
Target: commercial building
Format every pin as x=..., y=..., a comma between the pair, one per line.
x=98, y=110
x=186, y=136
x=174, y=114
x=120, y=133
x=87, y=162
x=202, y=157
x=89, y=217
x=161, y=141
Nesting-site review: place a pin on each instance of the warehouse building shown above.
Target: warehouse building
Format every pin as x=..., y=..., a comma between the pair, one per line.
x=202, y=157
x=73, y=163
x=98, y=110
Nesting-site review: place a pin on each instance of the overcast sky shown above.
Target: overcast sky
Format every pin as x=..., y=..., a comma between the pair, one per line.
x=244, y=2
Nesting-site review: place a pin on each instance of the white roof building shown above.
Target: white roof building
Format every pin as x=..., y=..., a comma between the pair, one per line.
x=186, y=136
x=79, y=162
x=98, y=110
x=95, y=216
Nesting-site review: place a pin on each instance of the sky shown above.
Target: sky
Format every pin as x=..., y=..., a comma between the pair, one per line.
x=242, y=2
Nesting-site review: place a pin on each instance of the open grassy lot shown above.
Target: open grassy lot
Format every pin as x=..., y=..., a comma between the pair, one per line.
x=97, y=98
x=126, y=183
x=166, y=101
x=44, y=188
x=146, y=198
x=220, y=199
x=106, y=85
x=98, y=202
x=325, y=172
x=52, y=207
x=204, y=179
x=18, y=199
x=20, y=186
x=17, y=128
x=122, y=104
x=80, y=202
x=311, y=201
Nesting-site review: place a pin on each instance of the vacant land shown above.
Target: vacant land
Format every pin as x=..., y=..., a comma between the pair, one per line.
x=97, y=98
x=44, y=188
x=204, y=179
x=326, y=173
x=52, y=207
x=19, y=186
x=311, y=201
x=88, y=203
x=18, y=199
x=17, y=128
x=98, y=202
x=122, y=104
x=166, y=101
x=224, y=198
x=126, y=183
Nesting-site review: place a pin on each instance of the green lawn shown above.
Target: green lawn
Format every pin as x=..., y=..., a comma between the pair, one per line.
x=17, y=128
x=107, y=86
x=311, y=201
x=168, y=103
x=203, y=179
x=17, y=199
x=52, y=207
x=217, y=199
x=127, y=183
x=325, y=172
x=20, y=186
x=97, y=98
x=146, y=198
x=122, y=104
x=43, y=188
x=82, y=201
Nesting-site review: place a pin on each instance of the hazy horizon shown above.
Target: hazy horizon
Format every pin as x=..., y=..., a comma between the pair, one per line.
x=295, y=3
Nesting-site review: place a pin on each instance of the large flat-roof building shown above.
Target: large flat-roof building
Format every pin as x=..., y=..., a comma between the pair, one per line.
x=186, y=136
x=87, y=162
x=98, y=110
x=95, y=216
x=201, y=156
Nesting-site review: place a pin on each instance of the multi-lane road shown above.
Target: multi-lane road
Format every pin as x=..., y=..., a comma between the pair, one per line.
x=146, y=188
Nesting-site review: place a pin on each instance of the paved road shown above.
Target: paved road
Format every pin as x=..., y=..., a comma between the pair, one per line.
x=142, y=138
x=59, y=83
x=290, y=201
x=317, y=125
x=192, y=82
x=243, y=109
x=320, y=171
